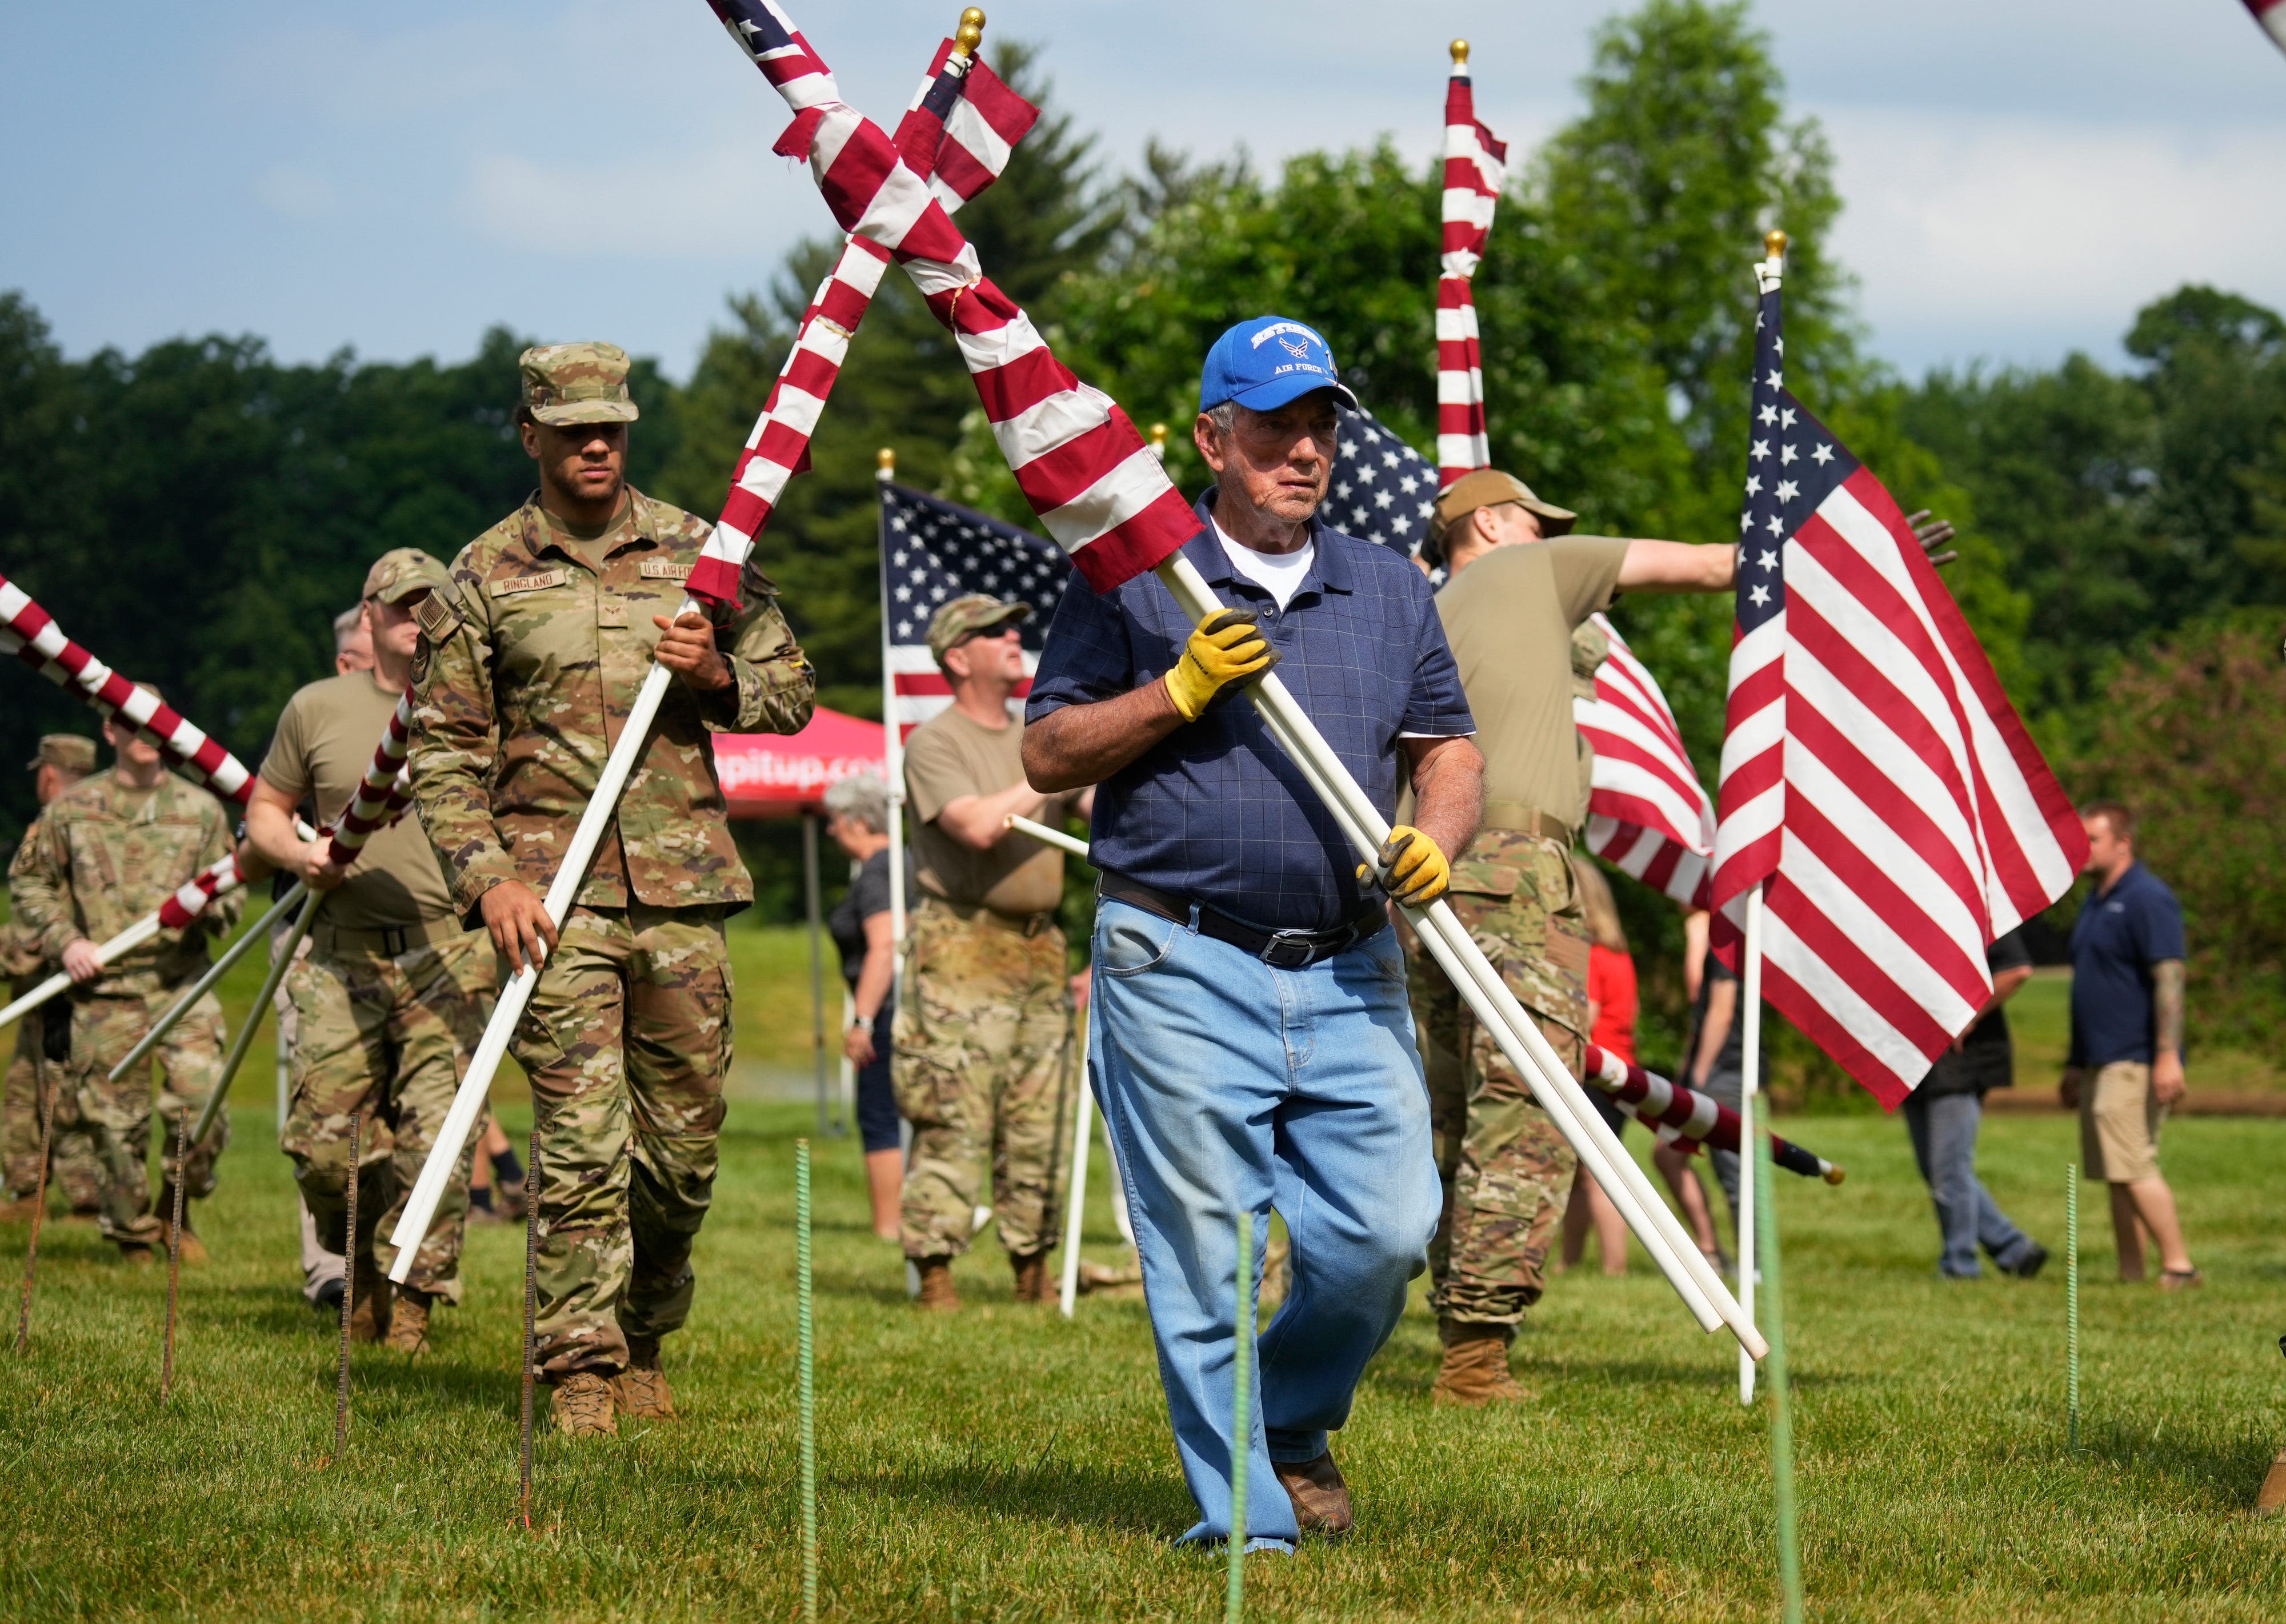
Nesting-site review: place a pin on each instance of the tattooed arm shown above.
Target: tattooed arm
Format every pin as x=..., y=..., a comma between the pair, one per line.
x=2167, y=1024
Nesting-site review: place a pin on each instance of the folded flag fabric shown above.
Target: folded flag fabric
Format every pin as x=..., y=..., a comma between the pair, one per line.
x=1476, y=167
x=1680, y=1116
x=32, y=635
x=934, y=551
x=1097, y=488
x=1875, y=779
x=2271, y=15
x=958, y=136
x=1647, y=813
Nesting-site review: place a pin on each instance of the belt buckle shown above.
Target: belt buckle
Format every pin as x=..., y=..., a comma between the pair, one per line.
x=1283, y=942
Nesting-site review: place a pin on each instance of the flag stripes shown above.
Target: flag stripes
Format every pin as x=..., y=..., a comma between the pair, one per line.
x=1681, y=1116
x=1476, y=167
x=1647, y=813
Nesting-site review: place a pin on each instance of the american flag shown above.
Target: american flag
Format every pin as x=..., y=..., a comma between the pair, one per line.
x=1380, y=489
x=2271, y=15
x=934, y=551
x=1646, y=811
x=963, y=125
x=1078, y=458
x=1476, y=167
x=1875, y=779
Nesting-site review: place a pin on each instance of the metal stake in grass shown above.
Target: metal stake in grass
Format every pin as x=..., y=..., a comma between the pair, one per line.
x=809, y=1382
x=531, y=1315
x=1781, y=1389
x=40, y=1194
x=2071, y=1303
x=349, y=1290
x=175, y=1249
x=1242, y=1420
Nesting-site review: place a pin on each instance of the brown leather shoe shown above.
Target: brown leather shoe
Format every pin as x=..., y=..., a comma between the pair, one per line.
x=583, y=1405
x=1031, y=1277
x=1321, y=1499
x=641, y=1389
x=408, y=1322
x=937, y=1294
x=2272, y=1498
x=1475, y=1371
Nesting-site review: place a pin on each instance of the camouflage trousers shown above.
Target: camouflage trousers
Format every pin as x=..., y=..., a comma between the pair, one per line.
x=391, y=1036
x=627, y=1041
x=71, y=1157
x=983, y=1026
x=105, y=1024
x=1507, y=1172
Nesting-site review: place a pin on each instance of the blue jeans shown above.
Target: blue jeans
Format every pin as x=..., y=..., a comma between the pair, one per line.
x=1229, y=1086
x=1943, y=1129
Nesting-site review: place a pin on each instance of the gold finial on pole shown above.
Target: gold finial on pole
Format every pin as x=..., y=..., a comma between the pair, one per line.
x=971, y=32
x=1159, y=441
x=1774, y=244
x=885, y=464
x=1459, y=49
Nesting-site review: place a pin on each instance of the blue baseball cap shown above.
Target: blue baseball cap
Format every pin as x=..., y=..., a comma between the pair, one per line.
x=1266, y=362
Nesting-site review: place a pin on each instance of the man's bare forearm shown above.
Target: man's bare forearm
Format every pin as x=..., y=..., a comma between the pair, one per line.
x=1448, y=791
x=1080, y=745
x=2167, y=1004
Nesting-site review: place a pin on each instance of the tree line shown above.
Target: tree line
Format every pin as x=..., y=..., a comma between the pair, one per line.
x=199, y=512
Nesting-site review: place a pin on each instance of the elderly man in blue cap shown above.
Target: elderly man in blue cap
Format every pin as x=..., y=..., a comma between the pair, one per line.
x=1252, y=1047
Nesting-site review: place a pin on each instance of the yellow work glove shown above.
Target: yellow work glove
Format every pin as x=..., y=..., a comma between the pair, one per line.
x=1412, y=870
x=1227, y=648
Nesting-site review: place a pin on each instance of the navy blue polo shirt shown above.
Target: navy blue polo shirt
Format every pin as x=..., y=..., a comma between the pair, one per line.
x=2121, y=933
x=1216, y=811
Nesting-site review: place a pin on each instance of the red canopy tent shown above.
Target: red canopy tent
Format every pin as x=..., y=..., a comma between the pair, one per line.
x=770, y=774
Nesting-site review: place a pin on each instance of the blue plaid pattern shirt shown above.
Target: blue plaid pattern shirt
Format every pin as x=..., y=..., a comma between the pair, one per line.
x=1217, y=812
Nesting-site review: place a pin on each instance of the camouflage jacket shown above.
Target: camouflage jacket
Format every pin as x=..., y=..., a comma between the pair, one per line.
x=19, y=948
x=522, y=684
x=102, y=855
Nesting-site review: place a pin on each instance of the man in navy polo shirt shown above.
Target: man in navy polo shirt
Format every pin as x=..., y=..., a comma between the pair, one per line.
x=2126, y=1063
x=1252, y=1045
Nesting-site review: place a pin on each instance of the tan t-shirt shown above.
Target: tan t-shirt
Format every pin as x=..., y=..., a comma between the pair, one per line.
x=950, y=756
x=1509, y=616
x=326, y=738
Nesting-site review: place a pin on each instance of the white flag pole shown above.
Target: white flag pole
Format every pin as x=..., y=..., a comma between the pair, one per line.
x=1750, y=1012
x=893, y=743
x=1083, y=1135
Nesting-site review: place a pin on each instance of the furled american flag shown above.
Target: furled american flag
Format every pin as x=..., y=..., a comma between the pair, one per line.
x=1476, y=167
x=934, y=551
x=1078, y=458
x=1380, y=488
x=1646, y=810
x=2271, y=15
x=957, y=134
x=1875, y=779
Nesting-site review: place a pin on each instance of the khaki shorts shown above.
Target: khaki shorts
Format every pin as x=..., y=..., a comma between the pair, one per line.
x=2119, y=1119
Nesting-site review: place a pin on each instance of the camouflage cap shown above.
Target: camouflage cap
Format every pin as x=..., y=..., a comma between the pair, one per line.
x=1488, y=487
x=576, y=383
x=66, y=750
x=965, y=617
x=400, y=572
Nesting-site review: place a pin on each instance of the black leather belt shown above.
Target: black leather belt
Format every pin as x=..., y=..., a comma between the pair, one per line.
x=1281, y=950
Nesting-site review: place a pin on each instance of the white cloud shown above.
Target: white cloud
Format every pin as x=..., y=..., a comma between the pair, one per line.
x=296, y=192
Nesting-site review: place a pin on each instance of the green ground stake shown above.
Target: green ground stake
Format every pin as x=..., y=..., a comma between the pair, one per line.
x=2072, y=1301
x=1242, y=1420
x=1781, y=1391
x=809, y=1385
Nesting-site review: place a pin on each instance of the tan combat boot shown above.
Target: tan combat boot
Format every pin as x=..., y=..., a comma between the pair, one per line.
x=408, y=1322
x=137, y=1253
x=937, y=1294
x=641, y=1389
x=2272, y=1498
x=1475, y=1371
x=583, y=1405
x=369, y=1315
x=1321, y=1499
x=194, y=1251
x=1031, y=1277
x=19, y=1210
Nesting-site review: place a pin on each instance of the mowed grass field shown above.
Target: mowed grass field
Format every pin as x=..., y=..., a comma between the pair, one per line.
x=1005, y=1464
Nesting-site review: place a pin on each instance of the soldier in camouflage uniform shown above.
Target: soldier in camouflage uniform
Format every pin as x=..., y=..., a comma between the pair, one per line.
x=108, y=851
x=389, y=1001
x=44, y=1046
x=524, y=674
x=984, y=1017
x=1520, y=587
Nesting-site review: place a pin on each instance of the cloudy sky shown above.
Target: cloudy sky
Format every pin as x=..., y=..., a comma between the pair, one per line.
x=2019, y=175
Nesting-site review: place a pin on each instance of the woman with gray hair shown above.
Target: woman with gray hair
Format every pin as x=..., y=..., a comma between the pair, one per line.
x=857, y=818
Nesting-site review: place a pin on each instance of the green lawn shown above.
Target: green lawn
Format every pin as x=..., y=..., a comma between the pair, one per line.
x=1004, y=1464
